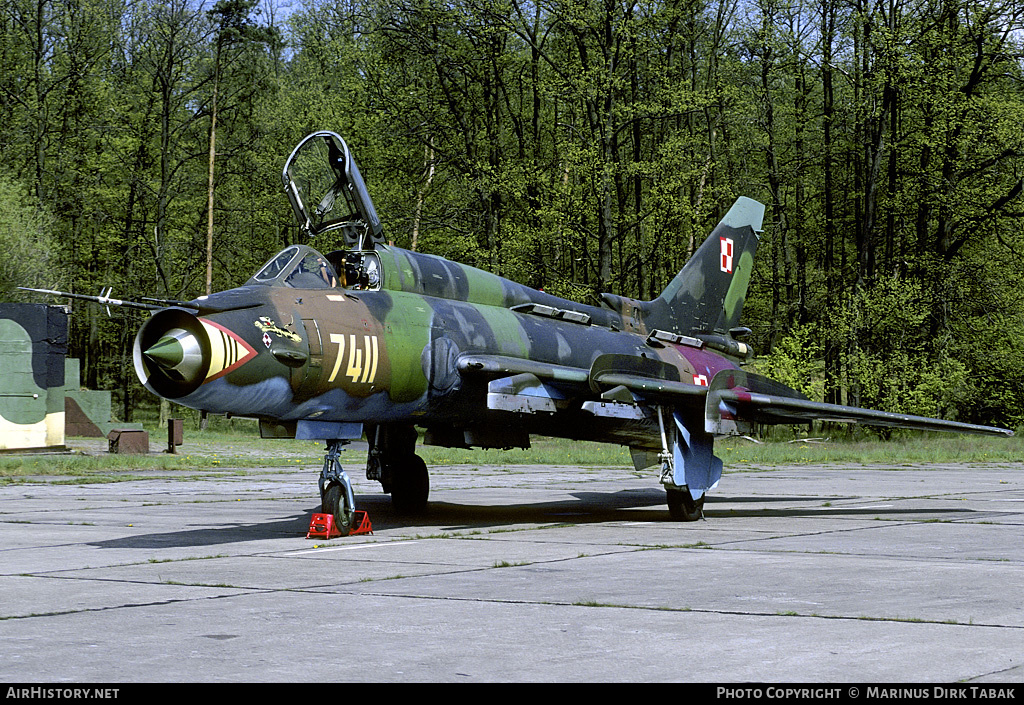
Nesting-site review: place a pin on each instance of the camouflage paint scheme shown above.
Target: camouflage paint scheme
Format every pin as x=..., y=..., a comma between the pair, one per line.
x=425, y=346
x=33, y=343
x=403, y=351
x=474, y=359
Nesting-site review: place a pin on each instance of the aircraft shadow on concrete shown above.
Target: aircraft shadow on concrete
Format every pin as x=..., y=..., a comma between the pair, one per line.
x=585, y=508
x=645, y=505
x=922, y=513
x=214, y=535
x=589, y=508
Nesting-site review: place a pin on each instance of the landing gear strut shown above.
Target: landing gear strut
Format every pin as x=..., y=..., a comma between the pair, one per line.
x=392, y=461
x=686, y=453
x=335, y=488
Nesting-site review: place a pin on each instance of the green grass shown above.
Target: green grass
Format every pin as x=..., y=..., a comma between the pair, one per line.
x=15, y=468
x=542, y=451
x=231, y=447
x=224, y=449
x=908, y=449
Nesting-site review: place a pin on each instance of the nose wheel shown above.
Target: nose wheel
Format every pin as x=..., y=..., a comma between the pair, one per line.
x=336, y=495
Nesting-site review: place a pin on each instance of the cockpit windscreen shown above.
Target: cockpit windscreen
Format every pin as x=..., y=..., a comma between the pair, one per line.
x=298, y=267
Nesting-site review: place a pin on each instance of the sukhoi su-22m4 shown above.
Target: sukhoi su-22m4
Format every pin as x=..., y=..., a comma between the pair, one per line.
x=379, y=341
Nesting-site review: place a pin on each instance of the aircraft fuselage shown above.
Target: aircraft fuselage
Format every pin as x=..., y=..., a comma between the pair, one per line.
x=315, y=356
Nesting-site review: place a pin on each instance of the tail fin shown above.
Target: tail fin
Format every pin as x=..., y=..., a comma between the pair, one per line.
x=708, y=294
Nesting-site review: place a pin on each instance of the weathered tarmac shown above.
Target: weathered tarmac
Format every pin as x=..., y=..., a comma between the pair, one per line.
x=798, y=574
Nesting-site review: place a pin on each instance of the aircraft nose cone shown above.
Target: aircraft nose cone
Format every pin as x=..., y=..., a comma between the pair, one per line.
x=178, y=353
x=167, y=352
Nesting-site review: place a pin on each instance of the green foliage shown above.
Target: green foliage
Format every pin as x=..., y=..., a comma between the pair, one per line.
x=579, y=147
x=898, y=382
x=796, y=362
x=892, y=363
x=25, y=240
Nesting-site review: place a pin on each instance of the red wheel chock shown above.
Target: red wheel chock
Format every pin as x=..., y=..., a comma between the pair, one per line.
x=360, y=524
x=321, y=526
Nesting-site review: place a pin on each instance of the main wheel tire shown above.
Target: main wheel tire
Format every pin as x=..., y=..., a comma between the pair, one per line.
x=683, y=507
x=410, y=485
x=335, y=502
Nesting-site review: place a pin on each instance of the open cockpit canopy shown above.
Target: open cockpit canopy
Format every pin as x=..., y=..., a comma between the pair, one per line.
x=327, y=192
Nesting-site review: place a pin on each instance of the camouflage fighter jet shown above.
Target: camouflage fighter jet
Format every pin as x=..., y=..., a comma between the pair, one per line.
x=375, y=340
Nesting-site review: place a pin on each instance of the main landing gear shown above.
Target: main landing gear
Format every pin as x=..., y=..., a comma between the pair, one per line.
x=392, y=461
x=682, y=506
x=684, y=453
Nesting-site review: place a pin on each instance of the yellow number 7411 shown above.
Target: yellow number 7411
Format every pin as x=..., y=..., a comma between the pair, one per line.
x=362, y=360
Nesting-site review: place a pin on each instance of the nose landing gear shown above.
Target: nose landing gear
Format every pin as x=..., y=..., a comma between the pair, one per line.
x=336, y=496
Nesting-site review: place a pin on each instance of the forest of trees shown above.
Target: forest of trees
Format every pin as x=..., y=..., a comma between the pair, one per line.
x=576, y=145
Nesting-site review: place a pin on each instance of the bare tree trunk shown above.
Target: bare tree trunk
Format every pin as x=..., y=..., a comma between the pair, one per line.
x=429, y=157
x=209, y=184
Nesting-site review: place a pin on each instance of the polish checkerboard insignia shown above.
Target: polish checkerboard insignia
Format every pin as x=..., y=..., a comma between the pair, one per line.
x=727, y=245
